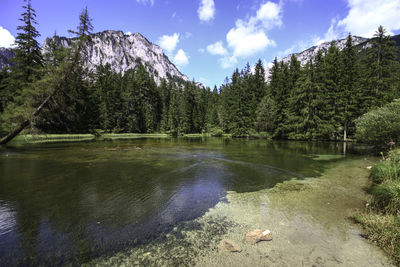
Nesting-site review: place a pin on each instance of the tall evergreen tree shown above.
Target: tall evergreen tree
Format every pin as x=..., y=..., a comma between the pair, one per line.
x=329, y=80
x=348, y=98
x=48, y=87
x=381, y=71
x=28, y=58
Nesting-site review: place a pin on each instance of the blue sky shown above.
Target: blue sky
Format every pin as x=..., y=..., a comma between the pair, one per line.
x=208, y=39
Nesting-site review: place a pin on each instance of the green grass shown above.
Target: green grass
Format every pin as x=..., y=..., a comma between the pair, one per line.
x=58, y=138
x=54, y=138
x=197, y=135
x=383, y=230
x=132, y=136
x=381, y=220
x=47, y=138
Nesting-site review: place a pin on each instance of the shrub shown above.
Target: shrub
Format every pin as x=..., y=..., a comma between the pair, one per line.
x=216, y=132
x=380, y=126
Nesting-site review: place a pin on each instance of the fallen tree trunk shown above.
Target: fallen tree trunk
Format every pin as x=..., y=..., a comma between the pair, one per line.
x=59, y=86
x=26, y=123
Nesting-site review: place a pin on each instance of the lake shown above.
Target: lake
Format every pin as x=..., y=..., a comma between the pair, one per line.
x=161, y=201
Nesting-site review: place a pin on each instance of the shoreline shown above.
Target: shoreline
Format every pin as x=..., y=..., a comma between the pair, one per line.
x=305, y=230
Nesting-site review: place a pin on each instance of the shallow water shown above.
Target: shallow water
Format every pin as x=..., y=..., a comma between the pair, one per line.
x=170, y=201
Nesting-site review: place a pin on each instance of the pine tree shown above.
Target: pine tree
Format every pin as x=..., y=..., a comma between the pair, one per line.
x=236, y=115
x=257, y=86
x=28, y=58
x=265, y=115
x=348, y=98
x=165, y=94
x=109, y=86
x=281, y=97
x=329, y=110
x=212, y=110
x=54, y=83
x=175, y=116
x=381, y=71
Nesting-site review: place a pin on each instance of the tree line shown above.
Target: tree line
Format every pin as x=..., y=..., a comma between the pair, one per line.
x=317, y=101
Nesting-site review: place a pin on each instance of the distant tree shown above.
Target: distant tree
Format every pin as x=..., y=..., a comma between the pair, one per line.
x=236, y=104
x=165, y=95
x=258, y=85
x=381, y=71
x=280, y=93
x=108, y=86
x=175, y=116
x=328, y=76
x=212, y=110
x=349, y=88
x=265, y=115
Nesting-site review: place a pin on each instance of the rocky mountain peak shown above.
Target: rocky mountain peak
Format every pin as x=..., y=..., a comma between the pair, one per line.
x=124, y=52
x=311, y=52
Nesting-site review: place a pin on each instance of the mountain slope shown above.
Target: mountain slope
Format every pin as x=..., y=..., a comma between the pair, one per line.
x=360, y=43
x=5, y=55
x=311, y=52
x=121, y=51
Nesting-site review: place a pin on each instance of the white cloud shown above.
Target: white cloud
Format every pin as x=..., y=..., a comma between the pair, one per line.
x=144, y=2
x=247, y=40
x=181, y=59
x=363, y=19
x=206, y=10
x=217, y=49
x=228, y=62
x=249, y=37
x=365, y=16
x=169, y=42
x=6, y=38
x=269, y=14
x=128, y=33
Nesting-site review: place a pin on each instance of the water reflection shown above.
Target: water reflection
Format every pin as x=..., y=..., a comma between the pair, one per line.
x=64, y=204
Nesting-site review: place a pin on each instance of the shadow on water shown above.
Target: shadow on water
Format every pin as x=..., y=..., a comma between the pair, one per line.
x=69, y=203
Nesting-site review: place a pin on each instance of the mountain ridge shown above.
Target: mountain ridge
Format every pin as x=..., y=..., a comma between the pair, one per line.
x=125, y=51
x=121, y=51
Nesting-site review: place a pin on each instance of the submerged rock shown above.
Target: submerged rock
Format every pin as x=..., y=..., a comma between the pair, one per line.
x=257, y=235
x=229, y=246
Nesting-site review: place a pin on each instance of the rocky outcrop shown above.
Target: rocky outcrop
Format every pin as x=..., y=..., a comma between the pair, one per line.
x=311, y=52
x=5, y=55
x=123, y=52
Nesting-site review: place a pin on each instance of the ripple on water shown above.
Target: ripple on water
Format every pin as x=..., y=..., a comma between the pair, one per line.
x=7, y=219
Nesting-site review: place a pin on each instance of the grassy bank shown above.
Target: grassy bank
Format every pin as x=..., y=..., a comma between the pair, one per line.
x=381, y=219
x=50, y=138
x=47, y=138
x=58, y=138
x=114, y=136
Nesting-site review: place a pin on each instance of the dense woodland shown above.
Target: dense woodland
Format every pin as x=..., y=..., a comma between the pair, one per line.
x=55, y=93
